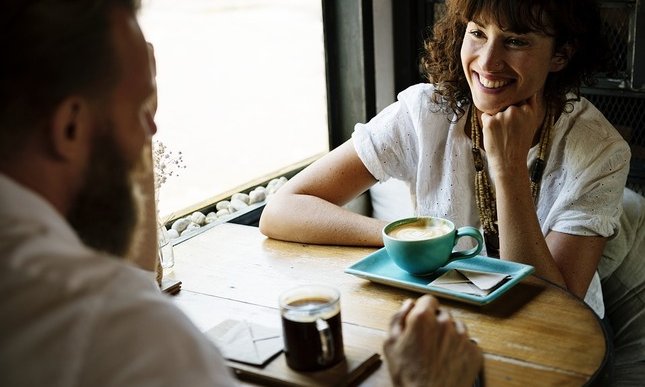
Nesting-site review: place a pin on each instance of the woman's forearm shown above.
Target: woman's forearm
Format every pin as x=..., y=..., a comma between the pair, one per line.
x=309, y=219
x=521, y=238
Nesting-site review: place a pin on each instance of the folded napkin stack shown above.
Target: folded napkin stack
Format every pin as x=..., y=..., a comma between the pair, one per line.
x=246, y=342
x=479, y=283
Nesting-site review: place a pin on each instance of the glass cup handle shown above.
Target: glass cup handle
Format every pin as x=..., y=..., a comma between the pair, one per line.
x=326, y=342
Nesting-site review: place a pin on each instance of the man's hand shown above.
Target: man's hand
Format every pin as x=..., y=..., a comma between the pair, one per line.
x=426, y=347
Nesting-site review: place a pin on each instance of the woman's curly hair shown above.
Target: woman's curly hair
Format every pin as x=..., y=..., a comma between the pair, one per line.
x=574, y=22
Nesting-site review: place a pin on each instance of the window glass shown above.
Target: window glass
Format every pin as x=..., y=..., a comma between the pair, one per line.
x=242, y=92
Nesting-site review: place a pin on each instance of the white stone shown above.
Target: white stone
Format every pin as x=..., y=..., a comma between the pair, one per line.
x=240, y=196
x=222, y=205
x=198, y=217
x=191, y=227
x=210, y=218
x=180, y=224
x=273, y=189
x=275, y=184
x=257, y=196
x=223, y=212
x=272, y=183
x=172, y=233
x=237, y=205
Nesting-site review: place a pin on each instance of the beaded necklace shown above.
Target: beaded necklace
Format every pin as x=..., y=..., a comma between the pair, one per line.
x=484, y=194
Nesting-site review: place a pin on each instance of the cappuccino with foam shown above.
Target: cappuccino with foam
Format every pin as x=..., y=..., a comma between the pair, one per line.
x=419, y=230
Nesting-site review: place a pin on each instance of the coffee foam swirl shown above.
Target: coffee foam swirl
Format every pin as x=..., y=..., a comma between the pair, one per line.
x=415, y=231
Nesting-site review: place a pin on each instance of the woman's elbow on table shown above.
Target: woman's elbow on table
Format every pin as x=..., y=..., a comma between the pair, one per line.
x=273, y=221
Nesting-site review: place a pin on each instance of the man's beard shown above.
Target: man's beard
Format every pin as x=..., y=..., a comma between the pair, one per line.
x=105, y=212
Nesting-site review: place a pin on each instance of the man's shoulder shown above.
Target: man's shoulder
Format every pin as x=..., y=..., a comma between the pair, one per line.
x=102, y=314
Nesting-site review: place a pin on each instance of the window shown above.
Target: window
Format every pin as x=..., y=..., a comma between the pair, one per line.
x=242, y=92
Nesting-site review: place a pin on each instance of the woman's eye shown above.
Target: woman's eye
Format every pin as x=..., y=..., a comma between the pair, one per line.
x=476, y=33
x=516, y=42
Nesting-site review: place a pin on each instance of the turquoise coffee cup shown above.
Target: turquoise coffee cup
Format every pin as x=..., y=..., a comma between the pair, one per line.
x=421, y=245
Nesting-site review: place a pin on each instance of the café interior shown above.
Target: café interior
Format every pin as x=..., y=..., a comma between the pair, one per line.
x=239, y=287
x=227, y=273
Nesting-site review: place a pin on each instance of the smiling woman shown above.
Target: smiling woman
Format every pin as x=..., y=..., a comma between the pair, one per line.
x=236, y=79
x=497, y=140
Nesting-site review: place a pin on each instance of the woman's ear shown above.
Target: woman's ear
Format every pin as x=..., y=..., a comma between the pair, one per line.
x=69, y=128
x=562, y=57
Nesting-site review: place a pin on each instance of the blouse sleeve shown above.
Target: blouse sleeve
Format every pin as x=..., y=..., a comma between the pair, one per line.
x=388, y=143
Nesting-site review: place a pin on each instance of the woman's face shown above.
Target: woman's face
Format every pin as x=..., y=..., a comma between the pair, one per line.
x=505, y=68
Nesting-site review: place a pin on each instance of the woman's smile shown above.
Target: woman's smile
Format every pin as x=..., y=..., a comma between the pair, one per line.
x=491, y=83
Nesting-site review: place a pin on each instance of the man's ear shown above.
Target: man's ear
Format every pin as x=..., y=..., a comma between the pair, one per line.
x=70, y=128
x=562, y=57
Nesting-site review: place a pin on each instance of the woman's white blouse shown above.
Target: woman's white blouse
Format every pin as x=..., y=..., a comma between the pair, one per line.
x=581, y=190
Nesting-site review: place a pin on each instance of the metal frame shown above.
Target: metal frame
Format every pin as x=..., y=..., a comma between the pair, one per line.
x=349, y=50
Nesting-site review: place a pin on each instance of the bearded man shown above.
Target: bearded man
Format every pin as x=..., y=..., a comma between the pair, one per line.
x=76, y=119
x=76, y=185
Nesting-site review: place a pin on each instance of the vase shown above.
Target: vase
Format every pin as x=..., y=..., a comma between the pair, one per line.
x=166, y=253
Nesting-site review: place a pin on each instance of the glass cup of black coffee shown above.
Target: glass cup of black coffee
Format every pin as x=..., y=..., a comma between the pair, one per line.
x=311, y=327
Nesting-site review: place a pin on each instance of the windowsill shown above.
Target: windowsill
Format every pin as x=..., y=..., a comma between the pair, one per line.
x=249, y=216
x=208, y=205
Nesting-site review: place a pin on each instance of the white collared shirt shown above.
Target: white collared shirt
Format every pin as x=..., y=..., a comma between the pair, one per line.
x=71, y=316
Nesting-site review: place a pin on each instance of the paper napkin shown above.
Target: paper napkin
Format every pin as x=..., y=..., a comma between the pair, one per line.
x=246, y=342
x=479, y=283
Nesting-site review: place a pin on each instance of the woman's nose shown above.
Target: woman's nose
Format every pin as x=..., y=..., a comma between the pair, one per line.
x=491, y=56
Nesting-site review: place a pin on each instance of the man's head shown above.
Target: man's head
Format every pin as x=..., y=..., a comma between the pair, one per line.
x=53, y=49
x=74, y=109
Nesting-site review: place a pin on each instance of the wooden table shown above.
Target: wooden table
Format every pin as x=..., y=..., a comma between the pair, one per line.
x=536, y=334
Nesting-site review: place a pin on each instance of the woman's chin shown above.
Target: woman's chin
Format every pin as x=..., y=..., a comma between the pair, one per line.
x=490, y=109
